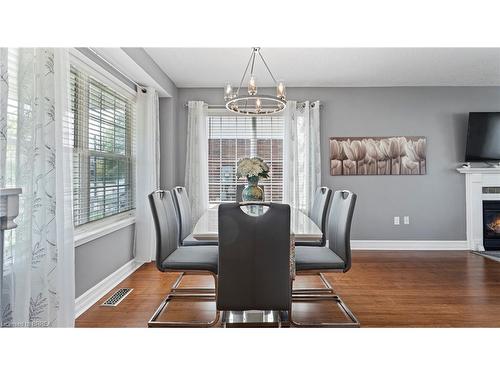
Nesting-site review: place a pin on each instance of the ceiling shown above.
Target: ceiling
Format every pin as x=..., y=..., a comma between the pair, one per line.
x=334, y=67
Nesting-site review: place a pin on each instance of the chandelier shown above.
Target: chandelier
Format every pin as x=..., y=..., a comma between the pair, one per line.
x=252, y=103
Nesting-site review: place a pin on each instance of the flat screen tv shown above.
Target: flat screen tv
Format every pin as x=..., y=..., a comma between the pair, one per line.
x=483, y=137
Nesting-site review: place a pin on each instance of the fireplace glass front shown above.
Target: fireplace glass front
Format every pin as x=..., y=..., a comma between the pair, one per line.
x=491, y=225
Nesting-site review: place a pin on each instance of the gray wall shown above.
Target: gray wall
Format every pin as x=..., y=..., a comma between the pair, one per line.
x=435, y=202
x=141, y=58
x=96, y=260
x=110, y=69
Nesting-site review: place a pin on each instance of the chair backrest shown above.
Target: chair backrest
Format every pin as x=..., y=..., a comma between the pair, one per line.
x=254, y=258
x=239, y=192
x=339, y=225
x=319, y=210
x=183, y=209
x=166, y=227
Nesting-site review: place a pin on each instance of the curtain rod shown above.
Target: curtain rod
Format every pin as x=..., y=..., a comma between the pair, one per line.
x=311, y=104
x=223, y=106
x=144, y=89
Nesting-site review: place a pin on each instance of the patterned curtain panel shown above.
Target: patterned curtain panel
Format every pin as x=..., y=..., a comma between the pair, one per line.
x=302, y=161
x=38, y=271
x=4, y=95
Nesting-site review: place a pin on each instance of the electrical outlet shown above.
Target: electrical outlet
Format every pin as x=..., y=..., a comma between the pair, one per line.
x=406, y=220
x=396, y=220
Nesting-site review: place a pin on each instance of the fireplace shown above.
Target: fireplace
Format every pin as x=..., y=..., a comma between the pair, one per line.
x=491, y=225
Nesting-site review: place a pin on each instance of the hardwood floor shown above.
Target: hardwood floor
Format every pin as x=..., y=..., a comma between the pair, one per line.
x=383, y=289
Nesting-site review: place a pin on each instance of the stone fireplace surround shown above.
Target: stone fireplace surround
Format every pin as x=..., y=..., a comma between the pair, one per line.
x=475, y=180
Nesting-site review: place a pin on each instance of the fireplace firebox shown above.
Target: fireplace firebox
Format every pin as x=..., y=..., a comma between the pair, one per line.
x=491, y=225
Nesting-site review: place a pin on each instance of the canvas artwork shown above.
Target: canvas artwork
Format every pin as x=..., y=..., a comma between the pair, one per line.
x=377, y=156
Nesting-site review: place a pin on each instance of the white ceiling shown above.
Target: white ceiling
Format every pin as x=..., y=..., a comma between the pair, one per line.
x=334, y=67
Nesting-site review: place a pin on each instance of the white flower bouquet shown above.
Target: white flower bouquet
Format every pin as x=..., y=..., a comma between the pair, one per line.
x=252, y=167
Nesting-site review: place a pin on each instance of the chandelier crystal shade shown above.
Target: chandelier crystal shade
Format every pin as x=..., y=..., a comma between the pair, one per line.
x=253, y=103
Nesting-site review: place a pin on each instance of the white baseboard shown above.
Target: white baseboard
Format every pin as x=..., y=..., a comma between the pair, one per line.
x=94, y=294
x=409, y=245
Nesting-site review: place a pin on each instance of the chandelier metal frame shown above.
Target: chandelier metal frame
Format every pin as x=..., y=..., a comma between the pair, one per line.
x=253, y=104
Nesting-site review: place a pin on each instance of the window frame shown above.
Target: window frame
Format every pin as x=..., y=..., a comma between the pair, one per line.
x=219, y=112
x=94, y=229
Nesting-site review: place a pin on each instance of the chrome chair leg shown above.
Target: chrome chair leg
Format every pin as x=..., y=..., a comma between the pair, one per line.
x=153, y=322
x=328, y=289
x=320, y=294
x=186, y=294
x=354, y=323
x=177, y=290
x=242, y=322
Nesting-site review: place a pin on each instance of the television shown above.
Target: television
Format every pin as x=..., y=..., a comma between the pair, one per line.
x=483, y=137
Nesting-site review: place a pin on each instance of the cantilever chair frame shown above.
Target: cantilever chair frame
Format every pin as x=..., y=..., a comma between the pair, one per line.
x=326, y=293
x=322, y=294
x=196, y=294
x=176, y=292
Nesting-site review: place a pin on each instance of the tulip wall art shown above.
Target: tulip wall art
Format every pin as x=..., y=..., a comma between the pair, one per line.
x=378, y=156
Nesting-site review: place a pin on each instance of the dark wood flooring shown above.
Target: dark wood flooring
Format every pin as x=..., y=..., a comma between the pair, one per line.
x=383, y=289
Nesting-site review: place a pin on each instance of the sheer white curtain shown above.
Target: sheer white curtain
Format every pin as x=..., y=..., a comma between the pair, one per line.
x=4, y=98
x=38, y=285
x=302, y=161
x=196, y=176
x=148, y=171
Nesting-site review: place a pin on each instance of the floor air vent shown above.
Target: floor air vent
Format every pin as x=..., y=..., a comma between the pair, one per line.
x=117, y=297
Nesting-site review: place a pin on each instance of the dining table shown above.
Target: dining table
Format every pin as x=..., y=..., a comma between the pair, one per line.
x=301, y=226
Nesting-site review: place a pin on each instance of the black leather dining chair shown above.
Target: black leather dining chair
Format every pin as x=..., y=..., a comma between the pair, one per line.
x=319, y=214
x=185, y=219
x=254, y=258
x=336, y=257
x=170, y=257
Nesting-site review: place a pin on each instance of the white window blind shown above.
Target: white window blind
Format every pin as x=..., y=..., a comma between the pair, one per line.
x=231, y=138
x=102, y=137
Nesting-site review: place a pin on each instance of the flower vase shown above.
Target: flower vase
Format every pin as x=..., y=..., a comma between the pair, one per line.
x=252, y=192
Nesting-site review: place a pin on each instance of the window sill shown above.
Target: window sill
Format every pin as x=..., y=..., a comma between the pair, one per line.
x=92, y=231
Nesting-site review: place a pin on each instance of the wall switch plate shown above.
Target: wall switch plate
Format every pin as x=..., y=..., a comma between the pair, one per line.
x=406, y=220
x=396, y=220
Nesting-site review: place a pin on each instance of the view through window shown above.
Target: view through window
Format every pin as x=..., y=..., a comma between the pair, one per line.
x=231, y=138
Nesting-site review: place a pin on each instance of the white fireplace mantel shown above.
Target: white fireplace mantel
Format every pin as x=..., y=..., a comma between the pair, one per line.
x=475, y=180
x=471, y=170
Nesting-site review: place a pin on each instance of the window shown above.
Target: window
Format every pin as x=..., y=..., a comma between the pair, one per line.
x=102, y=137
x=231, y=138
x=13, y=112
